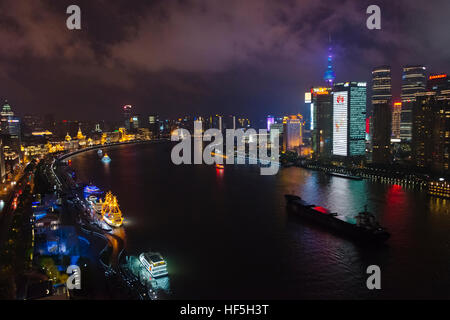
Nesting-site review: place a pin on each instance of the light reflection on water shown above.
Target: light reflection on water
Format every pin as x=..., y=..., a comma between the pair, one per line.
x=226, y=233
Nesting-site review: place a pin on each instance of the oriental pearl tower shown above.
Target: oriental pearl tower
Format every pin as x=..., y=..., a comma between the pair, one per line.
x=329, y=75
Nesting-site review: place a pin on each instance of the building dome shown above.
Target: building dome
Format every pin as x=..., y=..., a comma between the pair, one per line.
x=6, y=110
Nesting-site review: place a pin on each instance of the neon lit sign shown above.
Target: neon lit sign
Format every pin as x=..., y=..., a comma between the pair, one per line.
x=437, y=76
x=319, y=90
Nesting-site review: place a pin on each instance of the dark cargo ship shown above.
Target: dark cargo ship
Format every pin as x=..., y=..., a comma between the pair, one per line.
x=366, y=228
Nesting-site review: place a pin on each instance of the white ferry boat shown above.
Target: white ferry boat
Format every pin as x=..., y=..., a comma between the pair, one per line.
x=154, y=263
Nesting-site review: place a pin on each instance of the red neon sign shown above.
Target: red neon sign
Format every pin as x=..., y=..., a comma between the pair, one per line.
x=437, y=76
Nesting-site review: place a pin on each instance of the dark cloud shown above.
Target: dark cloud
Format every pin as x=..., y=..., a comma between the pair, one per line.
x=249, y=57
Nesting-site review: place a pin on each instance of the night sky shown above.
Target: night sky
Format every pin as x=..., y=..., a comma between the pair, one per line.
x=243, y=57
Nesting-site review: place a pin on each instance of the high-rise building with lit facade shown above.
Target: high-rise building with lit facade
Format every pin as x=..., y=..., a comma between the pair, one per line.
x=381, y=85
x=134, y=122
x=5, y=113
x=381, y=114
x=293, y=133
x=413, y=83
x=127, y=116
x=10, y=130
x=349, y=119
x=396, y=119
x=321, y=121
x=430, y=143
x=154, y=126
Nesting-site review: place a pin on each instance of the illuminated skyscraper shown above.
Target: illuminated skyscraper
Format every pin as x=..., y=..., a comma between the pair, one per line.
x=134, y=122
x=10, y=129
x=5, y=113
x=413, y=82
x=127, y=116
x=430, y=143
x=382, y=114
x=293, y=133
x=349, y=119
x=396, y=118
x=154, y=126
x=321, y=121
x=381, y=85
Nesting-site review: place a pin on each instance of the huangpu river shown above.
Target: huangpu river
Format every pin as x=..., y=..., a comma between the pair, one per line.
x=226, y=233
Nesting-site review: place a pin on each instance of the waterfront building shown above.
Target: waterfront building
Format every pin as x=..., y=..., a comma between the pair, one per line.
x=280, y=128
x=381, y=114
x=32, y=151
x=143, y=134
x=153, y=126
x=321, y=123
x=292, y=133
x=431, y=127
x=413, y=83
x=396, y=118
x=127, y=116
x=134, y=123
x=349, y=119
x=80, y=137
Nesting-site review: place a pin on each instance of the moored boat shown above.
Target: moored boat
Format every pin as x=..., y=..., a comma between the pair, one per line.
x=110, y=211
x=154, y=263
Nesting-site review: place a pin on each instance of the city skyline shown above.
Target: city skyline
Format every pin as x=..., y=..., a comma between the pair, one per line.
x=190, y=58
x=199, y=151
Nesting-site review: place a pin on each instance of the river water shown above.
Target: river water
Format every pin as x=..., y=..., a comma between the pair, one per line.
x=226, y=233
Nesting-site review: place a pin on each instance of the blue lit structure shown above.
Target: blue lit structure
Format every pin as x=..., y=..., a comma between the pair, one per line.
x=91, y=190
x=329, y=75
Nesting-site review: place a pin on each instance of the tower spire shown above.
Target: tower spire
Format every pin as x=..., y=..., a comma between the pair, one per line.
x=329, y=75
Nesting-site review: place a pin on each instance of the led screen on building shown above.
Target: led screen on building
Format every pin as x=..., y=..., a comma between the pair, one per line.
x=340, y=114
x=357, y=126
x=307, y=97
